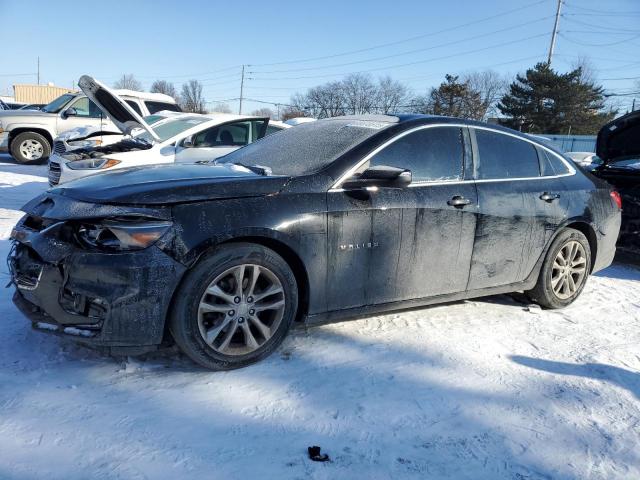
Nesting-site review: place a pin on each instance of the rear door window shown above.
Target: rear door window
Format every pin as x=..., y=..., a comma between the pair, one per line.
x=432, y=154
x=504, y=156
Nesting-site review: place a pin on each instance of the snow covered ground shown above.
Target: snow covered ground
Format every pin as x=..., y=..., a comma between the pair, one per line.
x=480, y=389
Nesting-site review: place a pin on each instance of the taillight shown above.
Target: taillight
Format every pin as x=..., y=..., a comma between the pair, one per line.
x=616, y=198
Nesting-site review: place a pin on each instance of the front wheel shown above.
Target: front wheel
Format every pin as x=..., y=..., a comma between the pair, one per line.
x=564, y=272
x=30, y=147
x=234, y=307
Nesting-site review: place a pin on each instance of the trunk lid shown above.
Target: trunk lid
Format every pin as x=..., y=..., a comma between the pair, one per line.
x=620, y=138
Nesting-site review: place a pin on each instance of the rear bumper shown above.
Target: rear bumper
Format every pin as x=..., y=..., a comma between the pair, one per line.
x=607, y=236
x=103, y=300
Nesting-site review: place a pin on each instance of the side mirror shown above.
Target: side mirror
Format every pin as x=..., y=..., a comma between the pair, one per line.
x=187, y=142
x=381, y=176
x=69, y=112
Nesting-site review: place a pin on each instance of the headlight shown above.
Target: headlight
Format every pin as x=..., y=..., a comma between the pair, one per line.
x=121, y=235
x=85, y=143
x=1, y=129
x=93, y=164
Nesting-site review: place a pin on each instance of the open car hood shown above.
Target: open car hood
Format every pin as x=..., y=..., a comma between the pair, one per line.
x=620, y=138
x=122, y=115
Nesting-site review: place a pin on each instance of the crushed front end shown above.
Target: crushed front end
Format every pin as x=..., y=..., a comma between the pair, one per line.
x=103, y=275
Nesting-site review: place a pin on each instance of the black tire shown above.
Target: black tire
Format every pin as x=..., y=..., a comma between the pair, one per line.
x=183, y=318
x=543, y=293
x=34, y=137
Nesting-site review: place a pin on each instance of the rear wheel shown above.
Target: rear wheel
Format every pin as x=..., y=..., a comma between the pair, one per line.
x=30, y=147
x=564, y=272
x=234, y=307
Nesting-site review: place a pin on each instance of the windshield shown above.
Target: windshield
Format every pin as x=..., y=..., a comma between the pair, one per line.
x=171, y=128
x=308, y=147
x=58, y=103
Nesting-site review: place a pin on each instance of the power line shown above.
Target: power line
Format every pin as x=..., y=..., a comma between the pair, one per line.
x=622, y=78
x=600, y=44
x=468, y=52
x=586, y=24
x=397, y=42
x=386, y=57
x=602, y=12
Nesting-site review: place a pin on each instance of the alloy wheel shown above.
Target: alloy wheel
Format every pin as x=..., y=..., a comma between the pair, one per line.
x=569, y=270
x=241, y=309
x=31, y=149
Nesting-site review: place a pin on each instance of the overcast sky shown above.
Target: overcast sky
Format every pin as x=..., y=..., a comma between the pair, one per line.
x=292, y=45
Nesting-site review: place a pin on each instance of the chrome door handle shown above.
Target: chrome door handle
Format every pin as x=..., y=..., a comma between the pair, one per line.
x=458, y=201
x=549, y=197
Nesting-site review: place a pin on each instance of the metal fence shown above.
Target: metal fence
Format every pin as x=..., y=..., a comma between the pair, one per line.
x=573, y=143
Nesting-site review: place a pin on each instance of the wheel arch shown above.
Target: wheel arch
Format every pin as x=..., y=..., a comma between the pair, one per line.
x=265, y=239
x=588, y=231
x=41, y=131
x=293, y=260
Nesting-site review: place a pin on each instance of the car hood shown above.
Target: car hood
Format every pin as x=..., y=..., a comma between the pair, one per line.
x=80, y=133
x=171, y=184
x=620, y=138
x=122, y=115
x=27, y=115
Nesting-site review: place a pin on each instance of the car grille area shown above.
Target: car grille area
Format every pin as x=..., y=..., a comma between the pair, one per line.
x=59, y=147
x=54, y=173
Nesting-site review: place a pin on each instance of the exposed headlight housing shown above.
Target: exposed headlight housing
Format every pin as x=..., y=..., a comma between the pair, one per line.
x=113, y=235
x=93, y=164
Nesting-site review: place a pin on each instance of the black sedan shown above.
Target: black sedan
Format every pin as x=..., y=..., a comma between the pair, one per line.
x=332, y=219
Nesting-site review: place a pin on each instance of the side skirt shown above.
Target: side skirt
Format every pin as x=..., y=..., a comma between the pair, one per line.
x=367, y=310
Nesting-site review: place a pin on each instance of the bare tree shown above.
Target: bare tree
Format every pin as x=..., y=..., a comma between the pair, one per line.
x=263, y=112
x=292, y=112
x=321, y=102
x=359, y=94
x=162, y=86
x=129, y=82
x=221, y=107
x=192, y=99
x=491, y=86
x=391, y=95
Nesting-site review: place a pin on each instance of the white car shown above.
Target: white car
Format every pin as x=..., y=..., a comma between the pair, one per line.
x=586, y=159
x=87, y=137
x=183, y=138
x=28, y=134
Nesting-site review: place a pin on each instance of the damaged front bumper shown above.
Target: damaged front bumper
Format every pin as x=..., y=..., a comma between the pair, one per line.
x=115, y=300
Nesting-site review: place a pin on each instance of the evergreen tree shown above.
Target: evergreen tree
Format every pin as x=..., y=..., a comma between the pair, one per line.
x=545, y=101
x=454, y=99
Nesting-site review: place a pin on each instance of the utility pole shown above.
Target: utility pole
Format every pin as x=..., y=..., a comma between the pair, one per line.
x=38, y=70
x=241, y=91
x=555, y=32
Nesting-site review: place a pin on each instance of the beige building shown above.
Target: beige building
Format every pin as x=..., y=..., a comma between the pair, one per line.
x=37, y=93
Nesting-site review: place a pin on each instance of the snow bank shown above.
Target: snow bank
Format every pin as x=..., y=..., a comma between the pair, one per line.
x=481, y=389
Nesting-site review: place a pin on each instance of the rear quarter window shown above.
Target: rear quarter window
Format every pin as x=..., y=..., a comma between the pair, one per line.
x=504, y=156
x=154, y=107
x=550, y=164
x=135, y=106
